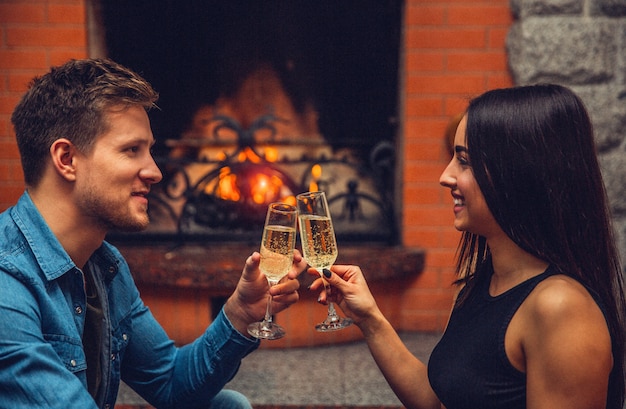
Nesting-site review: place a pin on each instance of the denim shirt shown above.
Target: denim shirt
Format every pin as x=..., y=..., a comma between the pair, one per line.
x=42, y=316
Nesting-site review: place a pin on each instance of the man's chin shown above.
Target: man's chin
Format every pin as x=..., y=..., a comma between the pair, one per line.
x=128, y=226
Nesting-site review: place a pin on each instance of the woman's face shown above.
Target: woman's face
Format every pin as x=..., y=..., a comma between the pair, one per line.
x=471, y=212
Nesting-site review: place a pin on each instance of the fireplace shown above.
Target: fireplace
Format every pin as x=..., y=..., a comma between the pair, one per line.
x=261, y=101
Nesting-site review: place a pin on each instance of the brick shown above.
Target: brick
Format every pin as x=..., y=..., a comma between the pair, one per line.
x=424, y=300
x=22, y=59
x=423, y=149
x=422, y=321
x=424, y=106
x=19, y=82
x=450, y=237
x=10, y=194
x=427, y=216
x=421, y=61
x=438, y=38
x=61, y=56
x=443, y=259
x=496, y=38
x=67, y=13
x=477, y=61
x=454, y=105
x=424, y=15
x=8, y=150
x=424, y=128
x=499, y=80
x=46, y=37
x=480, y=15
x=423, y=172
x=11, y=171
x=22, y=13
x=422, y=237
x=423, y=195
x=4, y=171
x=7, y=103
x=459, y=84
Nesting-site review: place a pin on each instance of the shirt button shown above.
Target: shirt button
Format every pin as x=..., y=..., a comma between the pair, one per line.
x=111, y=269
x=73, y=362
x=125, y=337
x=78, y=310
x=112, y=357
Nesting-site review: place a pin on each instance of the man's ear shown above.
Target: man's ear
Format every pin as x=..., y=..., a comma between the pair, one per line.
x=62, y=153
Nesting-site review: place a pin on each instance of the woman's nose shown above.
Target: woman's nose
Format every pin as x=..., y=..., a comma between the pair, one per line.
x=446, y=179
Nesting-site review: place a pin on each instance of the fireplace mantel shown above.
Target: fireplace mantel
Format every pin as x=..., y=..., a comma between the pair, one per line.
x=216, y=267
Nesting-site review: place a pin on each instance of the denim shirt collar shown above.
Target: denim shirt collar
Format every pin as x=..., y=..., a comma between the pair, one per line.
x=49, y=253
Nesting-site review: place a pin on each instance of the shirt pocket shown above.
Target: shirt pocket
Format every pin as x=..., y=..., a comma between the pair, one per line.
x=121, y=336
x=69, y=350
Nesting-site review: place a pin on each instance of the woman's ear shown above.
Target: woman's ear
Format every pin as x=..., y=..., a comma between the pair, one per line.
x=62, y=154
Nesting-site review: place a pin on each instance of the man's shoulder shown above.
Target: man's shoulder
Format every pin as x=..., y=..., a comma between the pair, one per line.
x=12, y=239
x=16, y=259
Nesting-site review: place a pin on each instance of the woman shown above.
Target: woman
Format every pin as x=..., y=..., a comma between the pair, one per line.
x=538, y=321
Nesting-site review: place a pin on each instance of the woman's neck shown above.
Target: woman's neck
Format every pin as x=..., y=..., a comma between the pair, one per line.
x=511, y=265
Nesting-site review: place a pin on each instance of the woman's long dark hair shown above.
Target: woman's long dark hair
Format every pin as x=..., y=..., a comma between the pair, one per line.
x=533, y=155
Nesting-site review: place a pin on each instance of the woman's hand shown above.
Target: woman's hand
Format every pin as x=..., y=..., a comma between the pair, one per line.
x=348, y=289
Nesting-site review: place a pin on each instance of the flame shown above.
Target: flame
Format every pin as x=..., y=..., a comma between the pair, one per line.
x=316, y=175
x=271, y=154
x=261, y=186
x=265, y=189
x=227, y=185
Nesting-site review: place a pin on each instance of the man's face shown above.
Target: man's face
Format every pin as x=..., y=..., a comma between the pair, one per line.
x=114, y=178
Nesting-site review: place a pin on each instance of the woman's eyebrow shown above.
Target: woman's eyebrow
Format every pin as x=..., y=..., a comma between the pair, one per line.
x=460, y=149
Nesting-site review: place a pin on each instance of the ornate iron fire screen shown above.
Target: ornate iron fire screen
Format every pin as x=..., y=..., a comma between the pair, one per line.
x=218, y=190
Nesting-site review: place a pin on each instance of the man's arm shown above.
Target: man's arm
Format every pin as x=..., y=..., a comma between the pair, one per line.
x=190, y=376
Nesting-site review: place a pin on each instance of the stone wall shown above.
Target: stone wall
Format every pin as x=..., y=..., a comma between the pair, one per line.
x=581, y=44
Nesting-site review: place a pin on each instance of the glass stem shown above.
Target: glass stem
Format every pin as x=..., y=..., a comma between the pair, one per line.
x=332, y=313
x=267, y=321
x=268, y=310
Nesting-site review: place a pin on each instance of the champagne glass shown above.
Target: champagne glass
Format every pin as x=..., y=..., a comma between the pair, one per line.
x=277, y=244
x=319, y=247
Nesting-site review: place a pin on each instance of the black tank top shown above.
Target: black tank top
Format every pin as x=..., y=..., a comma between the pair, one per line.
x=469, y=368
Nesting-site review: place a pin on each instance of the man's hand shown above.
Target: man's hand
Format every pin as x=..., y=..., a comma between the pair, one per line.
x=248, y=302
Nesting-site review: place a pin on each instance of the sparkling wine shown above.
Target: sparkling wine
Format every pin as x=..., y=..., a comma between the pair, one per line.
x=318, y=241
x=277, y=251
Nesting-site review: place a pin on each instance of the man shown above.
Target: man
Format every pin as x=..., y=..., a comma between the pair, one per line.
x=72, y=323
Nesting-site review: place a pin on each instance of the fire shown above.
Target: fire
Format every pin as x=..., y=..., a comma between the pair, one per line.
x=316, y=175
x=258, y=184
x=227, y=187
x=271, y=154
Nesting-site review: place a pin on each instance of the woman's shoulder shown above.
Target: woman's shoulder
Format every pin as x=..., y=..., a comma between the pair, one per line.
x=559, y=297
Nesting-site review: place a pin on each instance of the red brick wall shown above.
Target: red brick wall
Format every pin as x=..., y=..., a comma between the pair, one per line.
x=34, y=34
x=454, y=49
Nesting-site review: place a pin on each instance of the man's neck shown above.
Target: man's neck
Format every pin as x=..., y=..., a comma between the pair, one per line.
x=78, y=236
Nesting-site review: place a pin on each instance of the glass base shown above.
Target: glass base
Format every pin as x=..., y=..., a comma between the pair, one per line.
x=333, y=324
x=265, y=330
